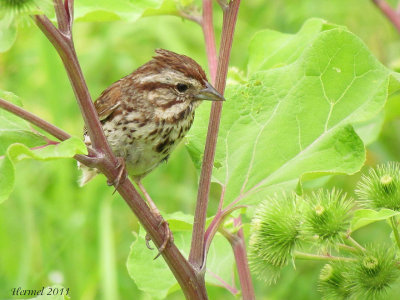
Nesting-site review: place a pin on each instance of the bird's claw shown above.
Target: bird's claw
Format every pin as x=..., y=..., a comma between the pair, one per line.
x=121, y=174
x=148, y=239
x=168, y=238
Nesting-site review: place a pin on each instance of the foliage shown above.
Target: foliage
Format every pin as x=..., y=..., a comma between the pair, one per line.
x=358, y=273
x=143, y=269
x=313, y=90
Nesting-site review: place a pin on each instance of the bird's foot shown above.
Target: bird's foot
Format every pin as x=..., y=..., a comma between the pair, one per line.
x=168, y=237
x=122, y=174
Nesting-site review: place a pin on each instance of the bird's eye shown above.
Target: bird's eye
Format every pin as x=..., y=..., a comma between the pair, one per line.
x=181, y=87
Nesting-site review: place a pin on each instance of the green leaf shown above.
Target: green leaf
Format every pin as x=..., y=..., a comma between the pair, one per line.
x=143, y=269
x=18, y=152
x=369, y=130
x=270, y=49
x=220, y=262
x=363, y=217
x=127, y=10
x=294, y=121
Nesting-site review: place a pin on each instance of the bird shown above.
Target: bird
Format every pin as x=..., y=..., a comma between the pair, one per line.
x=145, y=114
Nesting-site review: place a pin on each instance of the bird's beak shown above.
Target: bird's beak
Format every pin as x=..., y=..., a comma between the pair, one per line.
x=209, y=93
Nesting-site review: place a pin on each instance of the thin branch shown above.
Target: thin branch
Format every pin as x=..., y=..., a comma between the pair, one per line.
x=309, y=256
x=390, y=13
x=191, y=17
x=215, y=225
x=46, y=126
x=348, y=248
x=69, y=8
x=197, y=251
x=223, y=4
x=66, y=50
x=191, y=283
x=209, y=38
x=239, y=250
x=62, y=17
x=52, y=143
x=354, y=243
x=221, y=198
x=42, y=124
x=180, y=266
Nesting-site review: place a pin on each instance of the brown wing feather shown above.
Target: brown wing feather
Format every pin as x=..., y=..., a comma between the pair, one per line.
x=108, y=102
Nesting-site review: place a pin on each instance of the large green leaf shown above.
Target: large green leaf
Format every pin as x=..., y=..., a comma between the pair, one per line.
x=143, y=269
x=294, y=116
x=271, y=49
x=128, y=10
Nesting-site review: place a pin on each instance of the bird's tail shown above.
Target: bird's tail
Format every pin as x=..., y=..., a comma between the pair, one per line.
x=87, y=174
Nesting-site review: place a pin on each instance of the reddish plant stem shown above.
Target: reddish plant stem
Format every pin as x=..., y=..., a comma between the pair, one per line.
x=209, y=38
x=45, y=145
x=62, y=17
x=191, y=281
x=233, y=290
x=239, y=250
x=197, y=250
x=178, y=264
x=215, y=225
x=390, y=13
x=223, y=4
x=46, y=126
x=65, y=48
x=35, y=120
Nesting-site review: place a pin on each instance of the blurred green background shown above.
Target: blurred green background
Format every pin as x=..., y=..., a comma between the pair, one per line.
x=52, y=231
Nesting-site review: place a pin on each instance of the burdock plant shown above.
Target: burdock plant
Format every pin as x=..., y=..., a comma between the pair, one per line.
x=380, y=188
x=333, y=283
x=324, y=221
x=275, y=233
x=372, y=273
x=327, y=216
x=368, y=276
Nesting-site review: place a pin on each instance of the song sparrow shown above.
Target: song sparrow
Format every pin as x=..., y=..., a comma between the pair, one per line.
x=145, y=114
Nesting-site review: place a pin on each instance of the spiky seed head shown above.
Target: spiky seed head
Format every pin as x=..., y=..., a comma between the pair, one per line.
x=380, y=188
x=332, y=281
x=275, y=234
x=327, y=216
x=372, y=274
